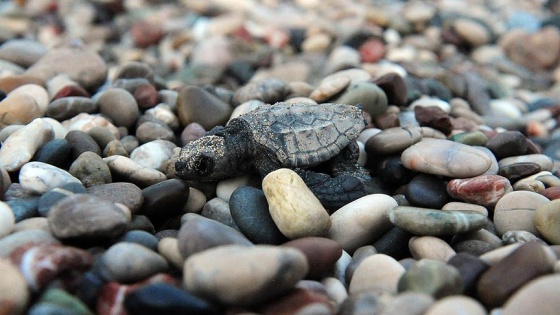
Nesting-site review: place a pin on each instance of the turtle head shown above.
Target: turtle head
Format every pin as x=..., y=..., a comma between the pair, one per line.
x=204, y=159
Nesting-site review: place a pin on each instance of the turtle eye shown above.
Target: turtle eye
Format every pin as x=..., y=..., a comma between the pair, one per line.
x=205, y=165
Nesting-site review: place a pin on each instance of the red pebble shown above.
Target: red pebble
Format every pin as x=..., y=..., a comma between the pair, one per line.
x=146, y=96
x=321, y=253
x=372, y=50
x=551, y=193
x=146, y=34
x=71, y=90
x=484, y=190
x=41, y=263
x=111, y=297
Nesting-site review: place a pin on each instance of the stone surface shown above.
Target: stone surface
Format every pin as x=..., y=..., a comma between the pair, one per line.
x=249, y=210
x=516, y=211
x=321, y=254
x=128, y=263
x=90, y=169
x=124, y=193
x=197, y=105
x=127, y=169
x=21, y=145
x=377, y=272
x=40, y=177
x=427, y=191
x=198, y=233
x=7, y=219
x=393, y=140
x=446, y=158
x=484, y=190
x=430, y=247
x=119, y=105
x=431, y=277
x=538, y=296
x=164, y=200
x=501, y=280
x=361, y=222
x=455, y=305
x=15, y=295
x=209, y=273
x=422, y=221
x=303, y=215
x=547, y=221
x=105, y=220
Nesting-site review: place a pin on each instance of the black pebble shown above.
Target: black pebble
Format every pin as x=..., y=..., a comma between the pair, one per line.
x=249, y=210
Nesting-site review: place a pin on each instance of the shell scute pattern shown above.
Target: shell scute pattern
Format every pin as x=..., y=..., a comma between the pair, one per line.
x=303, y=136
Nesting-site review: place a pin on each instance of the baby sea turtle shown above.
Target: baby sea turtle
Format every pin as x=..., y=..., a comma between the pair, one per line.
x=316, y=141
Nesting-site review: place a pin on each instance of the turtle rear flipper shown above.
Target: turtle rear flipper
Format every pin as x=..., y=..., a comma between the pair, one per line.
x=334, y=192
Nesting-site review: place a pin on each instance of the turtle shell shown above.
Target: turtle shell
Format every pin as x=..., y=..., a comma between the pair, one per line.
x=304, y=135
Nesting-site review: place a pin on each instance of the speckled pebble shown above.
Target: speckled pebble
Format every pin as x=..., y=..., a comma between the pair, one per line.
x=90, y=169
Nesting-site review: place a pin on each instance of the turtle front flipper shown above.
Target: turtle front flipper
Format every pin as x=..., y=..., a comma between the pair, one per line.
x=334, y=192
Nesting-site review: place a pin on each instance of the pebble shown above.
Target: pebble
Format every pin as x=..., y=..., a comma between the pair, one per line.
x=329, y=88
x=508, y=143
x=90, y=169
x=124, y=193
x=39, y=177
x=58, y=301
x=48, y=199
x=357, y=257
x=446, y=158
x=393, y=140
x=300, y=301
x=21, y=145
x=15, y=295
x=547, y=221
x=361, y=222
x=141, y=238
x=430, y=247
x=517, y=171
x=159, y=298
x=512, y=237
x=456, y=305
x=41, y=263
x=226, y=187
x=542, y=160
x=536, y=297
x=422, y=221
x=127, y=169
x=85, y=122
x=55, y=152
x=427, y=191
x=484, y=190
x=101, y=136
x=7, y=219
x=154, y=130
x=81, y=64
x=120, y=106
x=249, y=211
x=105, y=220
x=376, y=272
x=470, y=268
x=81, y=142
x=198, y=234
x=195, y=104
x=164, y=200
x=321, y=254
x=304, y=216
x=431, y=277
x=209, y=274
x=524, y=264
x=153, y=154
x=18, y=239
x=127, y=262
x=409, y=303
x=19, y=109
x=218, y=210
x=516, y=211
x=24, y=52
x=169, y=249
x=371, y=97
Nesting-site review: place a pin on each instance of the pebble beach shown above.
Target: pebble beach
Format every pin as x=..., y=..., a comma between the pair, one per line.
x=461, y=103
